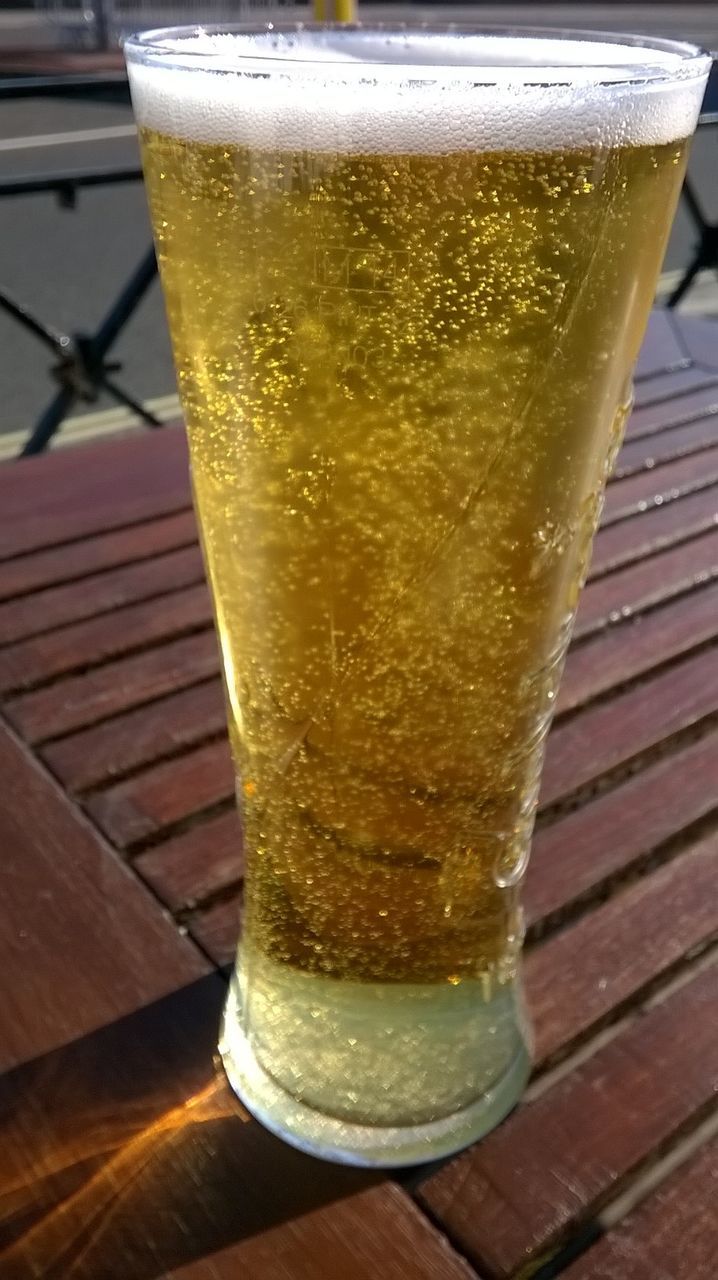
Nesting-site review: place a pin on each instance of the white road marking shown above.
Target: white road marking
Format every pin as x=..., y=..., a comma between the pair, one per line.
x=63, y=139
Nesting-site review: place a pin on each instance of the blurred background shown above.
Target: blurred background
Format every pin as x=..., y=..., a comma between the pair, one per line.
x=67, y=250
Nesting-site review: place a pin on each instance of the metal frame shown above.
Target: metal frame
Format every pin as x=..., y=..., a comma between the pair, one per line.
x=705, y=257
x=81, y=366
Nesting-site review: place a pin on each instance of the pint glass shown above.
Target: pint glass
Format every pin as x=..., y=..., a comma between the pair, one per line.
x=407, y=274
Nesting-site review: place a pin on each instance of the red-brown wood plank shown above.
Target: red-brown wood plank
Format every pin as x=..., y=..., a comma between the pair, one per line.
x=613, y=732
x=58, y=606
x=143, y=806
x=75, y=560
x=674, y=442
x=397, y=1246
x=89, y=643
x=150, y=802
x=573, y=857
x=662, y=348
x=197, y=864
x=517, y=1193
x=570, y=859
x=623, y=944
x=620, y=829
x=97, y=694
x=672, y=1234
x=123, y=1151
x=126, y=1157
x=635, y=645
x=81, y=940
x=656, y=418
x=646, y=532
x=216, y=929
x=74, y=493
x=666, y=386
x=655, y=578
x=139, y=737
x=599, y=740
x=661, y=484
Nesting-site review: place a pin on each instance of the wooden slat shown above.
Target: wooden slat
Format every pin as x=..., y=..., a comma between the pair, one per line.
x=184, y=1182
x=604, y=737
x=616, y=831
x=673, y=1234
x=145, y=805
x=656, y=418
x=665, y=386
x=674, y=442
x=76, y=560
x=138, y=738
x=644, y=533
x=655, y=578
x=624, y=944
x=88, y=643
x=661, y=348
x=518, y=1192
x=610, y=734
x=634, y=646
x=662, y=484
x=572, y=858
x=189, y=1185
x=59, y=606
x=122, y=1150
x=74, y=493
x=80, y=700
x=372, y=1236
x=197, y=864
x=216, y=929
x=77, y=930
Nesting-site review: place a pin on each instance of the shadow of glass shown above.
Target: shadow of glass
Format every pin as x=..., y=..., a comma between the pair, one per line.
x=125, y=1154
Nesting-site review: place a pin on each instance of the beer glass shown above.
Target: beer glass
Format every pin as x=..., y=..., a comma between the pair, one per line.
x=407, y=273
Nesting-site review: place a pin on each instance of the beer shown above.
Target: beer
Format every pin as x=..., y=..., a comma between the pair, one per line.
x=404, y=343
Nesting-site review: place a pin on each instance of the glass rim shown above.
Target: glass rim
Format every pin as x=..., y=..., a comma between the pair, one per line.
x=162, y=46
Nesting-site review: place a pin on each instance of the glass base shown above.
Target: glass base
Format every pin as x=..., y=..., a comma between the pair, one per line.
x=374, y=1075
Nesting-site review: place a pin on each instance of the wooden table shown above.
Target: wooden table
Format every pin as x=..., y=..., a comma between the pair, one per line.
x=123, y=1155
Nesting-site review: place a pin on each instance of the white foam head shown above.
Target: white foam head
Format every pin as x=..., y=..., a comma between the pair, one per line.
x=402, y=90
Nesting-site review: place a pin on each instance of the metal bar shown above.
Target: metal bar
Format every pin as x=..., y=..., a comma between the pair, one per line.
x=48, y=86
x=124, y=305
x=694, y=207
x=74, y=178
x=684, y=285
x=57, y=409
x=100, y=23
x=130, y=403
x=58, y=342
x=91, y=352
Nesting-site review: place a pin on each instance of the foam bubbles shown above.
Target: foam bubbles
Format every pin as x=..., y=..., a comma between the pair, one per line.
x=415, y=92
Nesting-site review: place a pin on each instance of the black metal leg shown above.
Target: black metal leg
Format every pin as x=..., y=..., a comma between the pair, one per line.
x=129, y=401
x=684, y=285
x=45, y=332
x=691, y=201
x=82, y=370
x=49, y=422
x=125, y=304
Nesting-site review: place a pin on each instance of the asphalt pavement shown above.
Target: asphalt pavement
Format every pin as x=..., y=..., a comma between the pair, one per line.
x=67, y=265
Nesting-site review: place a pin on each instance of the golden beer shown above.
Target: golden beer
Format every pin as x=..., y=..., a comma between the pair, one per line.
x=404, y=356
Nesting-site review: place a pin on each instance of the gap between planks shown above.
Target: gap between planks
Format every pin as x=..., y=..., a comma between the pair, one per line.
x=484, y=1181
